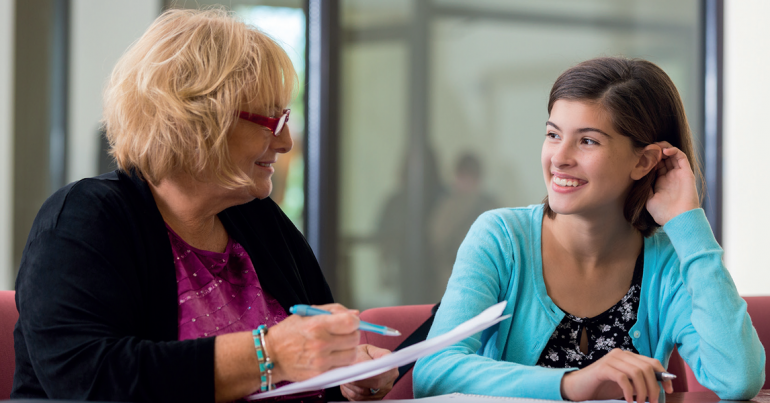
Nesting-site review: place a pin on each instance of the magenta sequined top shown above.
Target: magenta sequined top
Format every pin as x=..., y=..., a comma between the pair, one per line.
x=219, y=293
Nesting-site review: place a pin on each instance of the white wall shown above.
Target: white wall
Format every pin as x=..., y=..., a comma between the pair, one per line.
x=6, y=143
x=746, y=144
x=101, y=30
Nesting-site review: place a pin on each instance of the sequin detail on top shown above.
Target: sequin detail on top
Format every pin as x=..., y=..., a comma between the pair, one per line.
x=219, y=293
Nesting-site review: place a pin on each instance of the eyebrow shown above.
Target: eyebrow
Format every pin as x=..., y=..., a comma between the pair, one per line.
x=581, y=130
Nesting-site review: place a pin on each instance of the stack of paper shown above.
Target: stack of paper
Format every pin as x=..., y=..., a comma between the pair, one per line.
x=368, y=369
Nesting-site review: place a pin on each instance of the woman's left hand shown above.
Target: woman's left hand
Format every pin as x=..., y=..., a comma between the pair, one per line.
x=381, y=384
x=675, y=191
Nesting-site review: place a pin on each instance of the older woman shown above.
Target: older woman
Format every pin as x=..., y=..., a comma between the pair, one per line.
x=146, y=284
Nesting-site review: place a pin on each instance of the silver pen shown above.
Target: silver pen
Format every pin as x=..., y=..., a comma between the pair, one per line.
x=664, y=376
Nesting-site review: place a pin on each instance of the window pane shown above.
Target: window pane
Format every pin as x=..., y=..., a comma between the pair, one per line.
x=445, y=105
x=287, y=26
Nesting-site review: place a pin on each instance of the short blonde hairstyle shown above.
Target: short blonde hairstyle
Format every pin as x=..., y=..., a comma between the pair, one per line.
x=172, y=97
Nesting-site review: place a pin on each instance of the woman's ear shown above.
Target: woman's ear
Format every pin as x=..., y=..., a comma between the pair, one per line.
x=648, y=160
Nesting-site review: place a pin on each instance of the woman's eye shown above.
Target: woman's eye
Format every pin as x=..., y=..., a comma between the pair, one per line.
x=590, y=142
x=552, y=135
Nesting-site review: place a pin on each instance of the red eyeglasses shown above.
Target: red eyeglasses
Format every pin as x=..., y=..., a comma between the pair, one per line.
x=274, y=124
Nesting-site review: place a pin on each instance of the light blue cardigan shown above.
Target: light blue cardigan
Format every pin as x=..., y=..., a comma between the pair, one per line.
x=688, y=299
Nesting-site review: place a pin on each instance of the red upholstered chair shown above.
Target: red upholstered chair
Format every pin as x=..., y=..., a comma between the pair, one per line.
x=8, y=317
x=676, y=366
x=759, y=310
x=405, y=319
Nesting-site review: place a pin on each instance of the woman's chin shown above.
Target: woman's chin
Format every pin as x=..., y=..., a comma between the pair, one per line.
x=561, y=208
x=260, y=192
x=560, y=211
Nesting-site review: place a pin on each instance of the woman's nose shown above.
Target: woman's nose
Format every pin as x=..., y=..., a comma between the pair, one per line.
x=283, y=142
x=563, y=155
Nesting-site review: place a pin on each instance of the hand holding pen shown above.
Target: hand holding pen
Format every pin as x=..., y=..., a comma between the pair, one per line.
x=618, y=373
x=307, y=310
x=304, y=347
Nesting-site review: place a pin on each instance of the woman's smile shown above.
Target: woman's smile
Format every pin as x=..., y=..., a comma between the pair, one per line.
x=566, y=184
x=567, y=181
x=266, y=165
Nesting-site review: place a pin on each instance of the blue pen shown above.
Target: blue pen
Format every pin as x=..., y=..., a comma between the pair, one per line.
x=307, y=310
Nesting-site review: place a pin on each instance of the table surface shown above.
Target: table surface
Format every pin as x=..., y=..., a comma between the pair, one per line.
x=711, y=397
x=682, y=397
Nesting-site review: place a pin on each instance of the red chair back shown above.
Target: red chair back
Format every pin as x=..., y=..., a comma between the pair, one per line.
x=677, y=366
x=406, y=319
x=8, y=317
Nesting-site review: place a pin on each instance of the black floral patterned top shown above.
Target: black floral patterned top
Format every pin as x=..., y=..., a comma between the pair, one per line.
x=605, y=331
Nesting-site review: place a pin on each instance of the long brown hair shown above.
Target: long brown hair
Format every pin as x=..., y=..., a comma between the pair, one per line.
x=644, y=105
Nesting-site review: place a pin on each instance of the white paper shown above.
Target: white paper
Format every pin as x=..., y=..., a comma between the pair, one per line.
x=461, y=398
x=368, y=369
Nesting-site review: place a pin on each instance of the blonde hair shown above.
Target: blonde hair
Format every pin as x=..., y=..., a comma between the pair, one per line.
x=172, y=97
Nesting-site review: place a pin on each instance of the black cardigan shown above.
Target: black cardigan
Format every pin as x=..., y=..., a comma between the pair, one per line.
x=97, y=294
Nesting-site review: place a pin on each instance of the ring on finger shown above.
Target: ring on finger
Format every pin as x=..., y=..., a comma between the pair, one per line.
x=374, y=391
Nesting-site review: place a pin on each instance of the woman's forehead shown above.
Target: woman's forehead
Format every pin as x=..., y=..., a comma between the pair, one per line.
x=580, y=112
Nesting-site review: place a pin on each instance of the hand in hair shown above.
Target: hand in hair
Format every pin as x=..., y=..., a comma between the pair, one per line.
x=674, y=192
x=618, y=374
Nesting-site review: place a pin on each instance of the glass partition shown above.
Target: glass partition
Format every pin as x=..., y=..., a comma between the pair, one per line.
x=443, y=105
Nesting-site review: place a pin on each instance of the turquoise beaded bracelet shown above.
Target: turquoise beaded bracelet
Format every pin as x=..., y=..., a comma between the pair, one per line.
x=265, y=364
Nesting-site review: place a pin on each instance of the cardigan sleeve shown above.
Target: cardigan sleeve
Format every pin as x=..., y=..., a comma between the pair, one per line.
x=83, y=331
x=479, y=279
x=712, y=330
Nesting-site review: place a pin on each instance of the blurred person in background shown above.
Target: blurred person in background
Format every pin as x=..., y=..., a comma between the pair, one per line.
x=453, y=217
x=394, y=229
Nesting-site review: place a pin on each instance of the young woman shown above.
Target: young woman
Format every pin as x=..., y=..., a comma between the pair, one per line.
x=599, y=293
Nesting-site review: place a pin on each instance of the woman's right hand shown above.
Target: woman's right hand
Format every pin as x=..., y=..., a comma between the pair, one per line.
x=675, y=190
x=619, y=373
x=303, y=347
